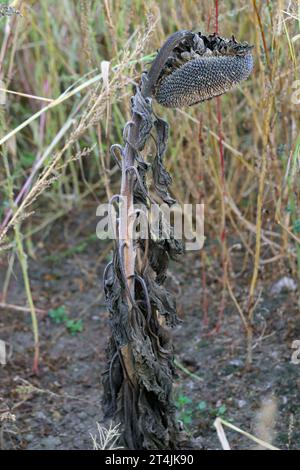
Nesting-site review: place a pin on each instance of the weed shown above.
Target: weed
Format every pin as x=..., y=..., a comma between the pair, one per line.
x=60, y=316
x=74, y=326
x=190, y=411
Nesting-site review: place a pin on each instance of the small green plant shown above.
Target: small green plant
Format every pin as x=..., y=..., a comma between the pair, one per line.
x=184, y=406
x=27, y=159
x=202, y=406
x=59, y=315
x=296, y=226
x=188, y=410
x=74, y=326
x=221, y=410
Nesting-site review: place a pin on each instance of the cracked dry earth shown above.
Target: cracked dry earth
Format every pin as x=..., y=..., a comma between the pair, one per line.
x=59, y=408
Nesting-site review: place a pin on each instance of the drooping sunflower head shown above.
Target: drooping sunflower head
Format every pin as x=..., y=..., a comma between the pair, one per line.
x=202, y=67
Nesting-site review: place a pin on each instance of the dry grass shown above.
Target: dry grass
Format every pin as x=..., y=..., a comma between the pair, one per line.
x=107, y=438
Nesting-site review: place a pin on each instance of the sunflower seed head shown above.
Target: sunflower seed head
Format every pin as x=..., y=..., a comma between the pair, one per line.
x=202, y=67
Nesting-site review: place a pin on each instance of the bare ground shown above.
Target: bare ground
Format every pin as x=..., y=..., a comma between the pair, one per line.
x=60, y=407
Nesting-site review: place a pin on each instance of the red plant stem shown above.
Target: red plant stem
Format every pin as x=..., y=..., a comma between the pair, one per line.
x=220, y=138
x=204, y=297
x=223, y=226
x=217, y=15
x=219, y=114
x=222, y=163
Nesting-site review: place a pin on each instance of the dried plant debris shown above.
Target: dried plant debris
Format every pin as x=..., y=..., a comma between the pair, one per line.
x=202, y=67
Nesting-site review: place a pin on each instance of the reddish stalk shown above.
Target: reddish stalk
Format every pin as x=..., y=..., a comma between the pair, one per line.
x=223, y=184
x=261, y=32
